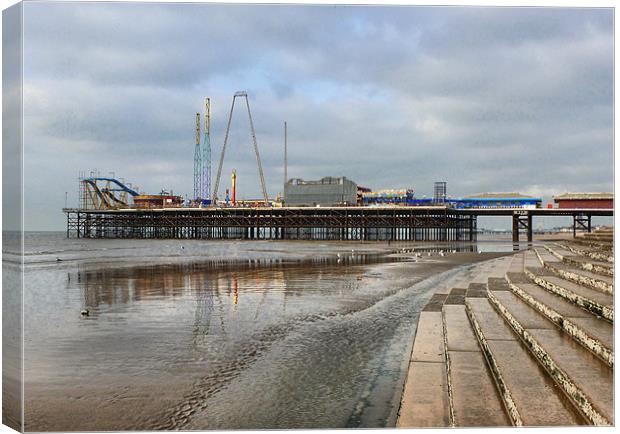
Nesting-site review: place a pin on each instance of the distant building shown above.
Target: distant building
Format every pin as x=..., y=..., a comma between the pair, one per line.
x=327, y=191
x=585, y=200
x=391, y=196
x=162, y=200
x=497, y=200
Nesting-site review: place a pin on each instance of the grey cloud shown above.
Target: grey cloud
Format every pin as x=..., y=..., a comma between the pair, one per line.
x=485, y=98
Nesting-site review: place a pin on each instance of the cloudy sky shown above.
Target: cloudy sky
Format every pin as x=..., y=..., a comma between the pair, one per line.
x=487, y=99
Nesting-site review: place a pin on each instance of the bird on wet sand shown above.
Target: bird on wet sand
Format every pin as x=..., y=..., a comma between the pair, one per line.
x=84, y=312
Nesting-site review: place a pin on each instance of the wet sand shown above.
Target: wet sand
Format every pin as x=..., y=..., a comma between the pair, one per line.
x=271, y=341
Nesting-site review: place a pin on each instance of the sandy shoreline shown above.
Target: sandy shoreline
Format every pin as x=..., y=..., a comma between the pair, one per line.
x=174, y=401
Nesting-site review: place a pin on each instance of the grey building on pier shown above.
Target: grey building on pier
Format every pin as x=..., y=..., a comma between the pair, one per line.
x=328, y=191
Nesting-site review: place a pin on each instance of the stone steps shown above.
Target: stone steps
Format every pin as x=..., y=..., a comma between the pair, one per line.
x=599, y=236
x=512, y=352
x=584, y=378
x=593, y=333
x=474, y=399
x=527, y=391
x=588, y=264
x=601, y=245
x=448, y=383
x=596, y=302
x=597, y=254
x=577, y=275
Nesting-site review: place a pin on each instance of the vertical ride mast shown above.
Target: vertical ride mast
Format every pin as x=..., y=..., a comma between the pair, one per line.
x=254, y=142
x=197, y=162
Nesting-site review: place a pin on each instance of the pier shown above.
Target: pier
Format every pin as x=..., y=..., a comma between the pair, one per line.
x=354, y=223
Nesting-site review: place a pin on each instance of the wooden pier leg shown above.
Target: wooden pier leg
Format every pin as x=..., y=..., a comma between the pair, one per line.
x=574, y=226
x=530, y=236
x=515, y=228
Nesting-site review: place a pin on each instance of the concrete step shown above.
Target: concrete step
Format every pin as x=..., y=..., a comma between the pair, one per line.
x=596, y=302
x=425, y=397
x=474, y=400
x=585, y=263
x=599, y=236
x=593, y=333
x=602, y=245
x=494, y=268
x=577, y=275
x=477, y=290
x=586, y=278
x=528, y=392
x=516, y=264
x=596, y=254
x=545, y=256
x=583, y=377
x=530, y=259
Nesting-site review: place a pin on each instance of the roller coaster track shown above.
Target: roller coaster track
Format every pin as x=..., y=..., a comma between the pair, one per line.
x=105, y=197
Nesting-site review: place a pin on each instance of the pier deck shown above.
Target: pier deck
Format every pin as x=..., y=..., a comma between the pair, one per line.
x=387, y=223
x=334, y=223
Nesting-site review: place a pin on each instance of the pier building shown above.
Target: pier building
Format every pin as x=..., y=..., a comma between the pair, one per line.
x=327, y=191
x=585, y=200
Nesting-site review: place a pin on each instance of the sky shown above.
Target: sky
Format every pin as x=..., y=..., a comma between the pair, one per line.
x=487, y=99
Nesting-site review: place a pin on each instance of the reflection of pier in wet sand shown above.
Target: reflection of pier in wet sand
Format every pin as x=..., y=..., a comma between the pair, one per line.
x=227, y=344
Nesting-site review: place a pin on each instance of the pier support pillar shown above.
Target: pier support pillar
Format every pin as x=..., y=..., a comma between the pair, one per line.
x=582, y=222
x=521, y=220
x=515, y=228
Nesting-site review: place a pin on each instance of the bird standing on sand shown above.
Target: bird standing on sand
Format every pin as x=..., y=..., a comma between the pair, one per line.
x=85, y=312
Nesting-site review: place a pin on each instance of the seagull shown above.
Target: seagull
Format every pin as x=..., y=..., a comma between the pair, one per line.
x=58, y=260
x=85, y=312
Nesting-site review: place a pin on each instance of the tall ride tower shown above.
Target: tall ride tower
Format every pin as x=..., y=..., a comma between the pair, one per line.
x=197, y=162
x=206, y=153
x=241, y=94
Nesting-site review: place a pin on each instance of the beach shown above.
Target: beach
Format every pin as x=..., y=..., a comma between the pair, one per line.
x=220, y=335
